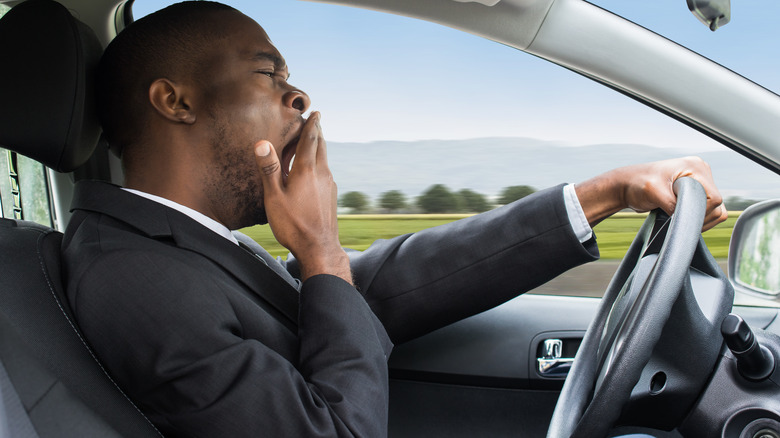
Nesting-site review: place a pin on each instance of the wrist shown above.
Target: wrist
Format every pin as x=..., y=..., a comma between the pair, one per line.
x=334, y=262
x=603, y=196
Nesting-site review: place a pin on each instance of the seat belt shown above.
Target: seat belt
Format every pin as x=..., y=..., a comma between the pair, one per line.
x=14, y=421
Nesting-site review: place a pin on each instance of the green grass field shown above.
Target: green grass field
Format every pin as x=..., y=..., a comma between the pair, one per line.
x=359, y=231
x=614, y=235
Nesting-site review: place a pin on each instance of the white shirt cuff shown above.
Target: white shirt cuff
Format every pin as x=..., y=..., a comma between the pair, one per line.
x=579, y=223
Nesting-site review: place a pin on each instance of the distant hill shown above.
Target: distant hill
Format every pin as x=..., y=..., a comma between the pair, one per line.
x=487, y=165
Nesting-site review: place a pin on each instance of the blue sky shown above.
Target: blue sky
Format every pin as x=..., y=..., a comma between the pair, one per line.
x=404, y=79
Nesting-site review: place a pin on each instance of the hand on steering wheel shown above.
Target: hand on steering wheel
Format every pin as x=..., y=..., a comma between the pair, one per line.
x=632, y=316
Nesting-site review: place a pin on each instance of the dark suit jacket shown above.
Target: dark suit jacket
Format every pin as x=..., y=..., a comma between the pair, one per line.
x=214, y=341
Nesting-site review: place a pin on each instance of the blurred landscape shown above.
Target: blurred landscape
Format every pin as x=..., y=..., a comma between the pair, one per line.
x=488, y=165
x=358, y=232
x=614, y=235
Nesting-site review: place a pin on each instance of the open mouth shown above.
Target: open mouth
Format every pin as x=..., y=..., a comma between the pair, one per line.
x=288, y=157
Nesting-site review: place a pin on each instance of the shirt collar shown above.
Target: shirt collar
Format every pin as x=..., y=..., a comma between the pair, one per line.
x=197, y=216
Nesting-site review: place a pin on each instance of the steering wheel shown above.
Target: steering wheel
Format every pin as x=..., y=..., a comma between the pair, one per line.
x=630, y=320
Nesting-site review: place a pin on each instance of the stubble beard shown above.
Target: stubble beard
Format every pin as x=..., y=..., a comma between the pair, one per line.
x=234, y=184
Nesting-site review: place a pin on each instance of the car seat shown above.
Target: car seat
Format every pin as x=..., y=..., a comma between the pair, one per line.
x=50, y=382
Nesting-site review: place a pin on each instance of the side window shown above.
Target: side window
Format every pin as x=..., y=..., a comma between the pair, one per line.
x=426, y=124
x=6, y=194
x=24, y=191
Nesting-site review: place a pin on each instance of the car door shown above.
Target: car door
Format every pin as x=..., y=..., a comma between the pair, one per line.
x=482, y=376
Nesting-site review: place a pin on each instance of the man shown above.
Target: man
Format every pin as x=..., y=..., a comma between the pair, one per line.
x=213, y=340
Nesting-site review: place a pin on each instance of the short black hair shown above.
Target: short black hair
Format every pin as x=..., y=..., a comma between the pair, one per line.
x=165, y=44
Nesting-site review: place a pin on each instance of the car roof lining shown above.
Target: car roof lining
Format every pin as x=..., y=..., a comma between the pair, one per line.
x=511, y=22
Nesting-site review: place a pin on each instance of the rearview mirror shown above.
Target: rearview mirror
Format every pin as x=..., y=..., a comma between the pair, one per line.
x=754, y=250
x=713, y=13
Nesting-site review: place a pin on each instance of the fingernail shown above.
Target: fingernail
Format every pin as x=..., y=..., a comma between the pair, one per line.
x=262, y=149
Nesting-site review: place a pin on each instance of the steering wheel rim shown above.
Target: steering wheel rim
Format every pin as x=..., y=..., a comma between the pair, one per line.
x=592, y=397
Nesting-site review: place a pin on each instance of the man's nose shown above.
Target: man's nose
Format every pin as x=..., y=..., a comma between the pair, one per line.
x=297, y=100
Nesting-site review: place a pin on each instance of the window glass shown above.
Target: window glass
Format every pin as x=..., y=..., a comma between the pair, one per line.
x=33, y=182
x=33, y=187
x=410, y=105
x=5, y=186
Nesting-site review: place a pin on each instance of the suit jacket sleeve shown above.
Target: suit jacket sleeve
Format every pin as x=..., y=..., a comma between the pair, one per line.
x=419, y=282
x=174, y=335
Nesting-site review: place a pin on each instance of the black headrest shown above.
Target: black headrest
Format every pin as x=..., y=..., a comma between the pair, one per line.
x=47, y=109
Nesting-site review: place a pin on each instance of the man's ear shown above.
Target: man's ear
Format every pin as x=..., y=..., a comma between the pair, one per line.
x=171, y=101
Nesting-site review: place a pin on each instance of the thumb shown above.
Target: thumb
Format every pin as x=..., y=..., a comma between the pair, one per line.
x=268, y=163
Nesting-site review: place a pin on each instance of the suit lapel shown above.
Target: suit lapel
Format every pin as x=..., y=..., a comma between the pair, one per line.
x=160, y=222
x=261, y=254
x=254, y=273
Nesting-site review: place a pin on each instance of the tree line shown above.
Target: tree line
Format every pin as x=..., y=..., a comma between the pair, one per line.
x=437, y=198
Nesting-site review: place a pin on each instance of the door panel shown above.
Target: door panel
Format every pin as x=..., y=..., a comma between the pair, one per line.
x=479, y=376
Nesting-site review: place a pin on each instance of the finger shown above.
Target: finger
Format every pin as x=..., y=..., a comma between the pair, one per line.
x=714, y=199
x=716, y=212
x=666, y=198
x=716, y=216
x=268, y=163
x=699, y=170
x=322, y=149
x=306, y=150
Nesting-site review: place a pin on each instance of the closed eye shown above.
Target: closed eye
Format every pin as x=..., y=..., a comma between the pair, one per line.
x=270, y=64
x=272, y=74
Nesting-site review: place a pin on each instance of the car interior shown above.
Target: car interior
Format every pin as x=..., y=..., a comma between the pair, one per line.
x=56, y=379
x=645, y=363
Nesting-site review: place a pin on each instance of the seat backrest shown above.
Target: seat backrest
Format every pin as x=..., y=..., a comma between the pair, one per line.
x=46, y=113
x=61, y=384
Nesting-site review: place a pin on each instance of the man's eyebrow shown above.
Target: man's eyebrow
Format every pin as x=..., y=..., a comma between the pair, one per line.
x=279, y=63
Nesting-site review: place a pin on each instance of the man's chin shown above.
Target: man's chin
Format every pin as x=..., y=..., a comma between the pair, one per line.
x=249, y=218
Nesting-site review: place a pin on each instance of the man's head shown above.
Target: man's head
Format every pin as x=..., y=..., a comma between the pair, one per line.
x=186, y=92
x=165, y=44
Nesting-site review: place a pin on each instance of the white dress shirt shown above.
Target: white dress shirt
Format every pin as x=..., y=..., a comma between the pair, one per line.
x=579, y=223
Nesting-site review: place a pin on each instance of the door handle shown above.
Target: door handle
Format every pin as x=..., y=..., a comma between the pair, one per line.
x=551, y=364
